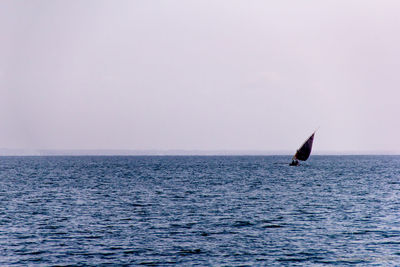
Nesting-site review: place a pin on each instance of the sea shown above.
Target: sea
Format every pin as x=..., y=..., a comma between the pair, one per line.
x=199, y=210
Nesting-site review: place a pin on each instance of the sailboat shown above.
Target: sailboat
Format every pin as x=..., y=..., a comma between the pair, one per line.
x=303, y=152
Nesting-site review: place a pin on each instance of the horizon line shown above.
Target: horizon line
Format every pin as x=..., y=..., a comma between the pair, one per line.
x=180, y=152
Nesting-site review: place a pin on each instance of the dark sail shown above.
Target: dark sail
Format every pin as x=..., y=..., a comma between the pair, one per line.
x=305, y=150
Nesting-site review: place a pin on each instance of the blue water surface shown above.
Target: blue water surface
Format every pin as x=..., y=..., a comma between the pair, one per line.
x=233, y=210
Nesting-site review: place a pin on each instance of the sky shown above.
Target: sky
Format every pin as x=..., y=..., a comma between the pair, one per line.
x=200, y=75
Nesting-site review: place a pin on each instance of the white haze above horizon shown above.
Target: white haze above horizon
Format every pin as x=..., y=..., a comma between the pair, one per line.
x=200, y=75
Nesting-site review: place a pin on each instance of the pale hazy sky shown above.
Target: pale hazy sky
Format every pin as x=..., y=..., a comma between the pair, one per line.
x=209, y=75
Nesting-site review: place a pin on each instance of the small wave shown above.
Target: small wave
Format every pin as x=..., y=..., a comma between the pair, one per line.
x=293, y=259
x=132, y=252
x=115, y=248
x=364, y=232
x=340, y=261
x=51, y=227
x=149, y=263
x=272, y=226
x=31, y=252
x=390, y=243
x=157, y=263
x=106, y=254
x=185, y=226
x=184, y=252
x=79, y=253
x=242, y=223
x=91, y=237
x=26, y=237
x=138, y=205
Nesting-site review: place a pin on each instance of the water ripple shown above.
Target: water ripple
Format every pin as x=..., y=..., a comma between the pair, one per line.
x=160, y=211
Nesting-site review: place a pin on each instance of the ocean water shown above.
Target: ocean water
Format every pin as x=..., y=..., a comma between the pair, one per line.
x=255, y=211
